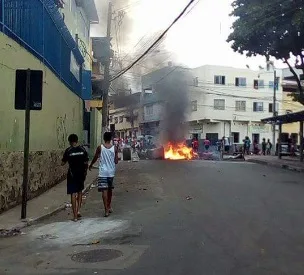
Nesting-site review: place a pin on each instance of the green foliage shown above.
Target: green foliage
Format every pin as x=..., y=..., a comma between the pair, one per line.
x=270, y=28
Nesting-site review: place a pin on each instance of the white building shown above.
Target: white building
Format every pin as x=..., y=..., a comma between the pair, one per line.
x=231, y=102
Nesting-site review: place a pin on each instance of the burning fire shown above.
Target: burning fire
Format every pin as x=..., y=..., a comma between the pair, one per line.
x=178, y=152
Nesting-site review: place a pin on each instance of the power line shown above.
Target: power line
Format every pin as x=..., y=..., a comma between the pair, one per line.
x=156, y=42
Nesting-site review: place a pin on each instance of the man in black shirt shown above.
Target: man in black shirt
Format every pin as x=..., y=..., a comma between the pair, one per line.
x=77, y=158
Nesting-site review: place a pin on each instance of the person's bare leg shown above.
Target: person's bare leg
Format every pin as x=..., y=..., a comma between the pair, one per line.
x=74, y=206
x=110, y=193
x=79, y=203
x=105, y=202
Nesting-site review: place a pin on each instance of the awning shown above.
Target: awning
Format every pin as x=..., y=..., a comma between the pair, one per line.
x=285, y=119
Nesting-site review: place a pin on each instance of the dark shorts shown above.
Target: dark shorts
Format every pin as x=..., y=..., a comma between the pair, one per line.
x=74, y=185
x=227, y=147
x=105, y=183
x=207, y=147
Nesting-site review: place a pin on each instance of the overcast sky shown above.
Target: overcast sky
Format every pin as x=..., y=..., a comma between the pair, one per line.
x=197, y=39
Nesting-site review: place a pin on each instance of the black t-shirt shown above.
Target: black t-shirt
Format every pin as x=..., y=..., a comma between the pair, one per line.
x=77, y=157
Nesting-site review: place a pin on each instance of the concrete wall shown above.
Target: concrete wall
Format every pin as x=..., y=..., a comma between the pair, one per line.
x=78, y=23
x=96, y=138
x=62, y=114
x=226, y=128
x=290, y=105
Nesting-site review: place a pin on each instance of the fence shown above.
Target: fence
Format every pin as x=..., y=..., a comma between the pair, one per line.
x=39, y=27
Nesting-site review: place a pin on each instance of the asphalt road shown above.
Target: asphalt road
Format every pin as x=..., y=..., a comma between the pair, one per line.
x=184, y=217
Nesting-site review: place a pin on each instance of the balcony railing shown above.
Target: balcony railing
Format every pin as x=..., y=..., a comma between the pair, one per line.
x=38, y=26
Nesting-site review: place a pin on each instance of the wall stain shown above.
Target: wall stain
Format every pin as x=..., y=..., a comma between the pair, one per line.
x=61, y=131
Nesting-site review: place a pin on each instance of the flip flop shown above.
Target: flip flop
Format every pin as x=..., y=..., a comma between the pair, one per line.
x=106, y=215
x=74, y=220
x=79, y=215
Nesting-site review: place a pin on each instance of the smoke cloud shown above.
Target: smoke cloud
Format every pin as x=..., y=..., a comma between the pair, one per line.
x=174, y=95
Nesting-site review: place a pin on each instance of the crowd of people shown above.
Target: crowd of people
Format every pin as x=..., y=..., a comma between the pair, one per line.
x=266, y=147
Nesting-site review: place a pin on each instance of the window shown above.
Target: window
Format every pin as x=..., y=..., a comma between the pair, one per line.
x=240, y=106
x=271, y=84
x=149, y=109
x=270, y=107
x=240, y=81
x=120, y=119
x=261, y=83
x=219, y=104
x=255, y=84
x=194, y=105
x=115, y=119
x=219, y=79
x=258, y=83
x=236, y=137
x=258, y=107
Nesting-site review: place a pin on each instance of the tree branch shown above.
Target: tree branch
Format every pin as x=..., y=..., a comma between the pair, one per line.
x=297, y=80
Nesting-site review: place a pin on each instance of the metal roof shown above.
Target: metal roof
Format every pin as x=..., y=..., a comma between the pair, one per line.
x=285, y=119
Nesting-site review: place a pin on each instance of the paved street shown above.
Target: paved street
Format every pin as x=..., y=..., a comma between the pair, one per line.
x=183, y=217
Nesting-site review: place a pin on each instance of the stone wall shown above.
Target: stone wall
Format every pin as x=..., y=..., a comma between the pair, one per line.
x=45, y=171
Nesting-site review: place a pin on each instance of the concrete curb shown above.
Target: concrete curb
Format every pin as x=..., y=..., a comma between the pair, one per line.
x=50, y=213
x=282, y=166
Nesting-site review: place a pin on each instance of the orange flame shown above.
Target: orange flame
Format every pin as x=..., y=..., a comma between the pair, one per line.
x=178, y=152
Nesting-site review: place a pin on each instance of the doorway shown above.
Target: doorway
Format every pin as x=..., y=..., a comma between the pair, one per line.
x=256, y=137
x=212, y=137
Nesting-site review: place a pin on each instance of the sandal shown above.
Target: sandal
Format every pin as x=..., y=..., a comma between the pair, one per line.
x=107, y=214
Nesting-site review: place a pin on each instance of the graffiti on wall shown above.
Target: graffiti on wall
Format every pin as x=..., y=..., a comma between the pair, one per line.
x=61, y=131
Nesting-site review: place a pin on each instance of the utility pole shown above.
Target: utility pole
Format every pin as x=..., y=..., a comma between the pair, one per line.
x=106, y=82
x=26, y=143
x=274, y=108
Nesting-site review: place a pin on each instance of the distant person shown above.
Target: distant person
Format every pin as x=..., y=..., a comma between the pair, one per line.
x=264, y=145
x=268, y=147
x=207, y=144
x=195, y=145
x=256, y=147
x=226, y=144
x=108, y=155
x=77, y=158
x=277, y=147
x=247, y=144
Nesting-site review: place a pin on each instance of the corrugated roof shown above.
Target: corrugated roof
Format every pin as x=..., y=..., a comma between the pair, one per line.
x=285, y=119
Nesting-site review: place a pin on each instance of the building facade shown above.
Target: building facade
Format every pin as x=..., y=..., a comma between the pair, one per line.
x=231, y=102
x=289, y=106
x=34, y=34
x=222, y=101
x=124, y=114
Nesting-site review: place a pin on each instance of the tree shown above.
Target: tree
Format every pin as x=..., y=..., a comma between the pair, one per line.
x=272, y=28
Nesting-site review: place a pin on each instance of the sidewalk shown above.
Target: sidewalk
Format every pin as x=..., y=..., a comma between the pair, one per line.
x=288, y=163
x=42, y=206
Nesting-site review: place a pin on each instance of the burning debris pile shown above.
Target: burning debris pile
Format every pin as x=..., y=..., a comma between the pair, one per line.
x=179, y=152
x=173, y=92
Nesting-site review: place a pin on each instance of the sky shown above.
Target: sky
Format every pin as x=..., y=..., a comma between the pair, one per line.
x=199, y=38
